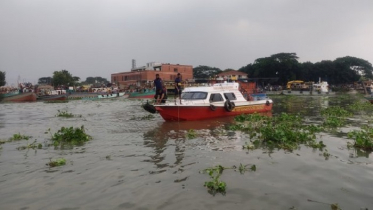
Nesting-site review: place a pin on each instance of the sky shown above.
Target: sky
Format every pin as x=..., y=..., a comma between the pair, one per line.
x=101, y=37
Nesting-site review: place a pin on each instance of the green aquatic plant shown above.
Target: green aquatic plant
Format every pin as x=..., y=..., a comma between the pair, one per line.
x=243, y=168
x=33, y=145
x=363, y=138
x=70, y=136
x=326, y=154
x=336, y=111
x=18, y=136
x=334, y=122
x=320, y=145
x=361, y=106
x=335, y=116
x=284, y=131
x=215, y=185
x=64, y=114
x=191, y=134
x=57, y=162
x=333, y=206
x=249, y=146
x=145, y=117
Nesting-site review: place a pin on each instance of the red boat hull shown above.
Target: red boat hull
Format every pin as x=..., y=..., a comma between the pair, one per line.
x=175, y=113
x=22, y=97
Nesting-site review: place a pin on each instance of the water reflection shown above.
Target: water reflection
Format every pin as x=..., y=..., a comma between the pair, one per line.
x=170, y=135
x=359, y=153
x=178, y=130
x=305, y=105
x=2, y=120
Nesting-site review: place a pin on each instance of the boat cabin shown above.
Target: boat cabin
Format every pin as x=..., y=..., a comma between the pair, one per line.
x=219, y=92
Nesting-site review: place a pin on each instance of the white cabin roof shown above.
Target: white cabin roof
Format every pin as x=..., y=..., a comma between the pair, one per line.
x=218, y=87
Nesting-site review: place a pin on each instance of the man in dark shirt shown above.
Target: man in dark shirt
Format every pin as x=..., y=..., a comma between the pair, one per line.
x=178, y=87
x=158, y=85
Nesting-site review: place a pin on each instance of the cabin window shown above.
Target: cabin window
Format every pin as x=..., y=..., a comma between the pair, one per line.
x=230, y=96
x=215, y=97
x=194, y=95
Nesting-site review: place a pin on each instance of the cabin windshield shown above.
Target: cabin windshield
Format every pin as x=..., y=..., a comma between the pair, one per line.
x=230, y=96
x=194, y=95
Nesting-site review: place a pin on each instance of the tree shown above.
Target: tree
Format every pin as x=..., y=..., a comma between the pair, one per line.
x=205, y=72
x=45, y=80
x=64, y=78
x=285, y=66
x=360, y=66
x=2, y=78
x=93, y=80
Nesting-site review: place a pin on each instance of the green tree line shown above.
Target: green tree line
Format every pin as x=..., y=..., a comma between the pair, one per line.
x=286, y=67
x=65, y=78
x=2, y=78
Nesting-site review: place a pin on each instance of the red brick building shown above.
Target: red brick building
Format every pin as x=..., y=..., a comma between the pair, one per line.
x=144, y=75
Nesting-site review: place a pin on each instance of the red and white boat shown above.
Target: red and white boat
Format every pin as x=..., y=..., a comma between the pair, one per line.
x=219, y=100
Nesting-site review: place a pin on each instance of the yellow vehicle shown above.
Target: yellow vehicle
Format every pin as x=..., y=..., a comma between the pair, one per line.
x=298, y=85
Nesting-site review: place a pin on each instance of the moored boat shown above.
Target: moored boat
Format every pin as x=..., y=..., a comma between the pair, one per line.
x=22, y=97
x=320, y=88
x=219, y=100
x=145, y=94
x=52, y=98
x=111, y=95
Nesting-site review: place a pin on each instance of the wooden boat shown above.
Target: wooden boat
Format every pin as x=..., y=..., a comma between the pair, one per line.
x=83, y=96
x=21, y=97
x=146, y=94
x=11, y=93
x=111, y=95
x=52, y=98
x=219, y=100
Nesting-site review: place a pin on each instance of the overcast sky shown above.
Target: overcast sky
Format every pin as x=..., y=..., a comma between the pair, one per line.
x=100, y=37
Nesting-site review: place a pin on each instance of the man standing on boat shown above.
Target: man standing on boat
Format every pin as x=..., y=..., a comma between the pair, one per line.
x=161, y=95
x=158, y=83
x=178, y=87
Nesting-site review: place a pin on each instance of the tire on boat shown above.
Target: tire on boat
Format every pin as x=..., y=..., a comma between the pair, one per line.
x=267, y=103
x=212, y=107
x=229, y=106
x=150, y=108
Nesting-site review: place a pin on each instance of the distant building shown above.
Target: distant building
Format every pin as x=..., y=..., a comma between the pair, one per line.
x=231, y=75
x=144, y=75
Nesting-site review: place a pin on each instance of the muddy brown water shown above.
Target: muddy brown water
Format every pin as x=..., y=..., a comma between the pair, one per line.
x=151, y=164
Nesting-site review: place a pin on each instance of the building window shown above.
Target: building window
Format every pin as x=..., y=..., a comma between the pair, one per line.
x=175, y=69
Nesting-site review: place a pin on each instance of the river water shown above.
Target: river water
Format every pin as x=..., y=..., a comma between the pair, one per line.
x=135, y=163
